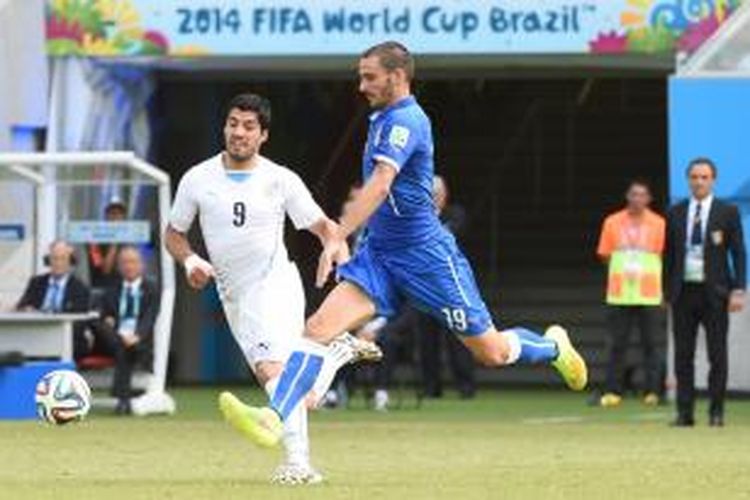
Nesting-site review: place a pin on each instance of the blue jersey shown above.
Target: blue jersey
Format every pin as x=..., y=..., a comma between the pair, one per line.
x=407, y=254
x=401, y=136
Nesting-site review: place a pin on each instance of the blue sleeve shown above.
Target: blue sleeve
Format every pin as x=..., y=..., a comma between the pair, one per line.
x=396, y=142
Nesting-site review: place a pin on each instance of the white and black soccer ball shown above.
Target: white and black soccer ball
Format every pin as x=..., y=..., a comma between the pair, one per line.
x=62, y=396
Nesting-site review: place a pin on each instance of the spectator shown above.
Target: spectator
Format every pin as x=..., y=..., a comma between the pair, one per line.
x=128, y=313
x=631, y=244
x=453, y=216
x=393, y=337
x=431, y=333
x=102, y=257
x=703, y=235
x=59, y=291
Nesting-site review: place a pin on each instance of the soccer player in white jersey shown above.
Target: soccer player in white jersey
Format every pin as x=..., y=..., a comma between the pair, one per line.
x=241, y=199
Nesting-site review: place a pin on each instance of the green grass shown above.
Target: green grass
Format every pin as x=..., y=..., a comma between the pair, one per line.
x=513, y=444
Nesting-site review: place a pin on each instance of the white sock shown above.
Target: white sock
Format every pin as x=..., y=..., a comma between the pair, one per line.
x=295, y=437
x=514, y=344
x=337, y=355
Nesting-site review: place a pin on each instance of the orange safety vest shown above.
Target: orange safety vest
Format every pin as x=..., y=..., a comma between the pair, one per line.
x=634, y=248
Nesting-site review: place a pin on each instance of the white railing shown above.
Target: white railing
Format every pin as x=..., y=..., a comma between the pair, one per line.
x=39, y=169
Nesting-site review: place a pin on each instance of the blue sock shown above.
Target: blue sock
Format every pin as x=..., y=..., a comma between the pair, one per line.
x=298, y=377
x=530, y=347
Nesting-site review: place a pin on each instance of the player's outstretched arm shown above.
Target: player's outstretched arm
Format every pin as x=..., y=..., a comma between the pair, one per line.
x=325, y=229
x=198, y=271
x=334, y=250
x=373, y=193
x=327, y=232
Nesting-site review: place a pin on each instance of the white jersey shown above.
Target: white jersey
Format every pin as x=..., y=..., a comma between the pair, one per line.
x=243, y=220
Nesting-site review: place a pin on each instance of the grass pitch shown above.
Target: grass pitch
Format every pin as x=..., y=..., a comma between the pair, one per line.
x=511, y=444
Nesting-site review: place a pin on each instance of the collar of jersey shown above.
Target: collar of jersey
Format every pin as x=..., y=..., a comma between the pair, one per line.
x=241, y=175
x=237, y=175
x=406, y=101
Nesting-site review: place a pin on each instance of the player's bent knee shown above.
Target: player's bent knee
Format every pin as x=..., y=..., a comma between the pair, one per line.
x=316, y=328
x=494, y=358
x=488, y=349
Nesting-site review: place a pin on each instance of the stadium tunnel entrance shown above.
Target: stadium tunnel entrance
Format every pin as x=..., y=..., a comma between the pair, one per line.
x=537, y=159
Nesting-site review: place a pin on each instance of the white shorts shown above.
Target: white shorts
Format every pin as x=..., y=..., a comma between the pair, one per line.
x=266, y=317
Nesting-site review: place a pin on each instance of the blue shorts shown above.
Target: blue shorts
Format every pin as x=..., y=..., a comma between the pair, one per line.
x=435, y=278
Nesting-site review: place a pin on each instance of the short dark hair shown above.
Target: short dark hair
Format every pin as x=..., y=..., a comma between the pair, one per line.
x=702, y=160
x=639, y=181
x=392, y=55
x=255, y=103
x=116, y=205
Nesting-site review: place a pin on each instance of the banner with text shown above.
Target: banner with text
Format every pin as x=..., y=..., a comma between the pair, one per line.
x=344, y=27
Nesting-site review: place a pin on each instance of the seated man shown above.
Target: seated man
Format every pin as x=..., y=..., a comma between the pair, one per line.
x=59, y=291
x=128, y=313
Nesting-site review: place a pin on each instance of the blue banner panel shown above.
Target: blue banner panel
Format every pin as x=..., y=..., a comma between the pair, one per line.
x=12, y=232
x=709, y=117
x=90, y=231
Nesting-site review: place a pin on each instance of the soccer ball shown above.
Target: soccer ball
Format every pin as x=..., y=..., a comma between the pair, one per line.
x=62, y=396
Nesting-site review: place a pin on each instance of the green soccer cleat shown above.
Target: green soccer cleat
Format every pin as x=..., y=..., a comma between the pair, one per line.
x=262, y=426
x=569, y=363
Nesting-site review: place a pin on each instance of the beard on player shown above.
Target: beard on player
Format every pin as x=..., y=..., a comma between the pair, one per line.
x=243, y=147
x=380, y=98
x=240, y=154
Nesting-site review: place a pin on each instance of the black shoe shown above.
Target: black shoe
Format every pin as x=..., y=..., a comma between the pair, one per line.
x=682, y=421
x=716, y=420
x=123, y=407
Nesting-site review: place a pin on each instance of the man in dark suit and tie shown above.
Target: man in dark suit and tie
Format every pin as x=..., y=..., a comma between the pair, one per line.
x=128, y=314
x=705, y=266
x=59, y=291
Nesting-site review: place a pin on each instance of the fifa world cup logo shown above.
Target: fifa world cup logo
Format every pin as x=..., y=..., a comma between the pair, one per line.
x=679, y=14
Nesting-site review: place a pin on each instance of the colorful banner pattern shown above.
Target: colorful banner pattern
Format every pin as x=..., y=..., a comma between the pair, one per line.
x=341, y=27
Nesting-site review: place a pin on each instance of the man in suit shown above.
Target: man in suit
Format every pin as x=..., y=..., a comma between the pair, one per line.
x=128, y=313
x=59, y=291
x=703, y=235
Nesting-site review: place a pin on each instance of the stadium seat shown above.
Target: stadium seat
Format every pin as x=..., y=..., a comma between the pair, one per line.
x=96, y=362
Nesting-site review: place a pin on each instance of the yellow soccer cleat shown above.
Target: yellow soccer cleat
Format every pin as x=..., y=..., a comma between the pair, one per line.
x=651, y=399
x=569, y=363
x=610, y=400
x=261, y=426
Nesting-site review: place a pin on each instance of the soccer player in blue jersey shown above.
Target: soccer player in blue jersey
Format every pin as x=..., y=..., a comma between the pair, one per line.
x=407, y=256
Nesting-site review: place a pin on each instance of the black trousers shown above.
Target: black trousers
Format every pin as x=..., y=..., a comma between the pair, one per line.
x=109, y=343
x=81, y=347
x=411, y=327
x=622, y=320
x=694, y=307
x=432, y=337
x=396, y=341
